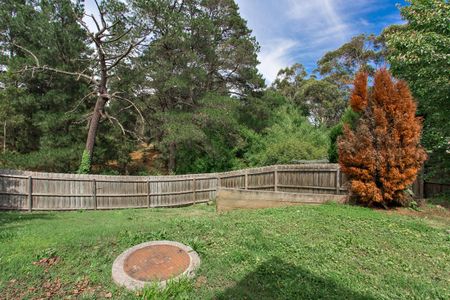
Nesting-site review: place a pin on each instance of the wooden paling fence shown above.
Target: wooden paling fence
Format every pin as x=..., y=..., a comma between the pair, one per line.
x=25, y=190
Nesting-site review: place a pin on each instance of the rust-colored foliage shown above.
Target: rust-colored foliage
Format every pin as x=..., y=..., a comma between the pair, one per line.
x=382, y=156
x=358, y=99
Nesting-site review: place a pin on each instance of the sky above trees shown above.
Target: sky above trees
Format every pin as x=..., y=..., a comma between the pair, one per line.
x=292, y=31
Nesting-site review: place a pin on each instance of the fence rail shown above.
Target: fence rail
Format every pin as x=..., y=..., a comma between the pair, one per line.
x=26, y=190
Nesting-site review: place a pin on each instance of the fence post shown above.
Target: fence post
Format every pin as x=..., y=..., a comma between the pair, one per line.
x=30, y=193
x=148, y=193
x=194, y=194
x=275, y=179
x=338, y=179
x=94, y=193
x=246, y=180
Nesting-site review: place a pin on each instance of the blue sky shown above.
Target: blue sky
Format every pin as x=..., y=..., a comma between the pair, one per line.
x=291, y=31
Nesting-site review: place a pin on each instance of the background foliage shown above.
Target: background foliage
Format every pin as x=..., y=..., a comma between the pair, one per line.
x=193, y=100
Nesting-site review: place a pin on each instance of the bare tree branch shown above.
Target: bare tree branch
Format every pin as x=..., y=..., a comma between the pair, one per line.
x=95, y=21
x=110, y=118
x=76, y=74
x=125, y=108
x=102, y=14
x=81, y=101
x=122, y=128
x=118, y=37
x=38, y=67
x=29, y=52
x=85, y=118
x=125, y=54
x=114, y=95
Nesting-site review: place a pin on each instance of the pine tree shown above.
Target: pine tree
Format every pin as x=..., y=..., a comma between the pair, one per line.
x=382, y=155
x=202, y=55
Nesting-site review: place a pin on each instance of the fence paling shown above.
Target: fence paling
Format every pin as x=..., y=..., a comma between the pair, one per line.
x=47, y=191
x=170, y=191
x=30, y=193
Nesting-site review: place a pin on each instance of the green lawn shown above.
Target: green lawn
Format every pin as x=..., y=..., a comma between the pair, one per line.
x=321, y=252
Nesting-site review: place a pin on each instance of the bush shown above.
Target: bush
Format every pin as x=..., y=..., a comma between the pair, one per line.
x=85, y=165
x=382, y=155
x=349, y=117
x=290, y=138
x=44, y=160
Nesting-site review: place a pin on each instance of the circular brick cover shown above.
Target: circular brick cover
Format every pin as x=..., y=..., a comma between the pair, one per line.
x=157, y=261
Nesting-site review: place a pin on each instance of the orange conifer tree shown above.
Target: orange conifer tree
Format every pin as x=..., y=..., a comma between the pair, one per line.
x=382, y=156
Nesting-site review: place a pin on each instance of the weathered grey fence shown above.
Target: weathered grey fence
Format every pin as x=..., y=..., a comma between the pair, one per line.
x=25, y=190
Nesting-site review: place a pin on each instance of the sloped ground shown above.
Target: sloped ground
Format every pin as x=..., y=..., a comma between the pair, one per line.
x=328, y=252
x=145, y=159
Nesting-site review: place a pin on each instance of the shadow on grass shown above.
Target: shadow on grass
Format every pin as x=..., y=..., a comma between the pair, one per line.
x=276, y=279
x=7, y=217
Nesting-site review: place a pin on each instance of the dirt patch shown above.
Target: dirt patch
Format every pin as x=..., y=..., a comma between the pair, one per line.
x=435, y=215
x=201, y=280
x=54, y=289
x=47, y=262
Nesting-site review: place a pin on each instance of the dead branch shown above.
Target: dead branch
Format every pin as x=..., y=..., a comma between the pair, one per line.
x=81, y=101
x=125, y=54
x=102, y=15
x=118, y=37
x=76, y=74
x=114, y=95
x=111, y=118
x=29, y=52
x=38, y=67
x=84, y=119
x=125, y=108
x=95, y=21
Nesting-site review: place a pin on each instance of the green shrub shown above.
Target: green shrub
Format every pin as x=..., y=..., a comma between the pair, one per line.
x=290, y=138
x=349, y=117
x=85, y=165
x=45, y=160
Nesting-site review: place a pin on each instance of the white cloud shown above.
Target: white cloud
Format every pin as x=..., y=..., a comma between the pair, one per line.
x=302, y=31
x=326, y=22
x=275, y=56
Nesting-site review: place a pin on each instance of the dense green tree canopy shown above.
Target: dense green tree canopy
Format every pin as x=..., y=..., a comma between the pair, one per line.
x=41, y=111
x=321, y=100
x=176, y=83
x=202, y=56
x=341, y=65
x=419, y=52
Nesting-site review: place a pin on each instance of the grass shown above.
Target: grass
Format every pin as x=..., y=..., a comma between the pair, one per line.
x=321, y=252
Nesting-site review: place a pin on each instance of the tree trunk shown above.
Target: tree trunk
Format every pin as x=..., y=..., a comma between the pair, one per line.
x=4, y=137
x=172, y=151
x=93, y=125
x=102, y=99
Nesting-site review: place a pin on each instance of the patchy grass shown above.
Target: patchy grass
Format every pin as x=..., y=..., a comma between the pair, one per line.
x=309, y=252
x=441, y=200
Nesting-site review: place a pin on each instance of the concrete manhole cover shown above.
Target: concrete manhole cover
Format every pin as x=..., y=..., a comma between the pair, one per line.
x=156, y=261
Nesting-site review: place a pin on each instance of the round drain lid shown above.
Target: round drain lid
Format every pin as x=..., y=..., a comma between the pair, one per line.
x=157, y=261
